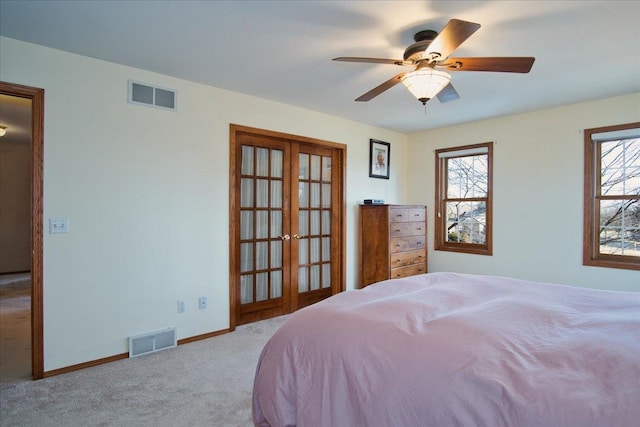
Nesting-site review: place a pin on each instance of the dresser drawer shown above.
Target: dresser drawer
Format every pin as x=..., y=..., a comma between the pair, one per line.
x=404, y=244
x=393, y=242
x=404, y=259
x=401, y=229
x=406, y=214
x=411, y=270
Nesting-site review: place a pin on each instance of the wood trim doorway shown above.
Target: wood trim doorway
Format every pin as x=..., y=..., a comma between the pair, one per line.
x=337, y=152
x=36, y=96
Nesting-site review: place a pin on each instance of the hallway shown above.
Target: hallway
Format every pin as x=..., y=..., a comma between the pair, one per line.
x=15, y=327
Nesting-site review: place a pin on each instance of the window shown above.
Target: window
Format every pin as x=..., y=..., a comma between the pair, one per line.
x=464, y=199
x=612, y=197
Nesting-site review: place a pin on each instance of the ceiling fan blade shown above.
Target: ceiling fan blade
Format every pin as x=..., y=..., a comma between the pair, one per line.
x=373, y=60
x=381, y=88
x=448, y=93
x=513, y=64
x=452, y=35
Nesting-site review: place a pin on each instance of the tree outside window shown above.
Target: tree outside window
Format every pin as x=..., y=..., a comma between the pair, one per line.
x=612, y=197
x=463, y=199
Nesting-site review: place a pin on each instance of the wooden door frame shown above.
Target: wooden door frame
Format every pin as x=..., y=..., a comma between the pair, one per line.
x=36, y=95
x=341, y=149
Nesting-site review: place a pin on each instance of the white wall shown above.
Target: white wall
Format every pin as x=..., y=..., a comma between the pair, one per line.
x=146, y=194
x=538, y=192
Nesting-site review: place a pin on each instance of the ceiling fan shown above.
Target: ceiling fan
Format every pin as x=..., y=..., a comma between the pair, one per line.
x=430, y=55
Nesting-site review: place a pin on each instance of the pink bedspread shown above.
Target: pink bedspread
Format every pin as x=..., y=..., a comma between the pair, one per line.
x=446, y=349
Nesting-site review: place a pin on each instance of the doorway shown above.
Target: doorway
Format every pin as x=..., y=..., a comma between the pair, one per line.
x=287, y=228
x=13, y=92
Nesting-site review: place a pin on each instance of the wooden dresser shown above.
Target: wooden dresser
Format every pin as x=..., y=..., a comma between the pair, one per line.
x=393, y=242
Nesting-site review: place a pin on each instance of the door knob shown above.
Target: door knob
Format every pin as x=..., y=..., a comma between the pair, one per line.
x=297, y=236
x=285, y=237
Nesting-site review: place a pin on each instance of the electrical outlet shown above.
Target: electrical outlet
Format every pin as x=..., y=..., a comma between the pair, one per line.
x=202, y=303
x=181, y=307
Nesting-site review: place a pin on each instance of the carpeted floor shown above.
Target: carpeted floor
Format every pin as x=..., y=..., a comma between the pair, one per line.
x=204, y=383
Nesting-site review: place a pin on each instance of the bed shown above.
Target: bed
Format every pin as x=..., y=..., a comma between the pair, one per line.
x=445, y=349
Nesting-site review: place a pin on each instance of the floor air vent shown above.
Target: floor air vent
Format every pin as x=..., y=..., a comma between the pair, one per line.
x=145, y=94
x=152, y=342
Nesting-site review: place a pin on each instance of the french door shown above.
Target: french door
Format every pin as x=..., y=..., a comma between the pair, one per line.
x=287, y=203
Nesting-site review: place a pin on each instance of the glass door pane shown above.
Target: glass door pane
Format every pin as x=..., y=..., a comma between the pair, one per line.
x=261, y=224
x=314, y=221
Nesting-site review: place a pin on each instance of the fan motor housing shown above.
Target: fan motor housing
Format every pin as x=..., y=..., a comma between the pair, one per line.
x=417, y=51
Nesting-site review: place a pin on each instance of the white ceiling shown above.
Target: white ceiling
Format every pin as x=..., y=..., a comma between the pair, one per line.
x=282, y=50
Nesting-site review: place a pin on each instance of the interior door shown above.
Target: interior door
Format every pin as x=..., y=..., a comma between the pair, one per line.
x=36, y=95
x=286, y=241
x=262, y=237
x=315, y=227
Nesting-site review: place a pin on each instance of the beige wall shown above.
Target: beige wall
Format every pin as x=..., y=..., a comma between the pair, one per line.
x=538, y=192
x=15, y=206
x=146, y=194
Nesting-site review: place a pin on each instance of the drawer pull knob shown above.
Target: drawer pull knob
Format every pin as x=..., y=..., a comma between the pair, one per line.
x=419, y=229
x=419, y=243
x=397, y=230
x=397, y=246
x=399, y=215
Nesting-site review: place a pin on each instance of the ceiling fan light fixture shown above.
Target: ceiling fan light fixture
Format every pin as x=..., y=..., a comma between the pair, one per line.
x=425, y=83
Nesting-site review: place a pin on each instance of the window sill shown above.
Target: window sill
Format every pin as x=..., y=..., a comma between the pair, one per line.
x=465, y=248
x=608, y=263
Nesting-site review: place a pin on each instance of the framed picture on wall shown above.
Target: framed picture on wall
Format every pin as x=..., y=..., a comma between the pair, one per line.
x=379, y=157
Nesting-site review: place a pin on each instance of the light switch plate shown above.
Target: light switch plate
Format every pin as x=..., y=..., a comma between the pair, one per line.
x=58, y=225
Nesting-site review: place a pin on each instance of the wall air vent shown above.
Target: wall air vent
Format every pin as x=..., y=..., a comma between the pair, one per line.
x=145, y=94
x=152, y=342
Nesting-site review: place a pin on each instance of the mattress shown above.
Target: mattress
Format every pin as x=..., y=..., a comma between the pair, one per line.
x=446, y=349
